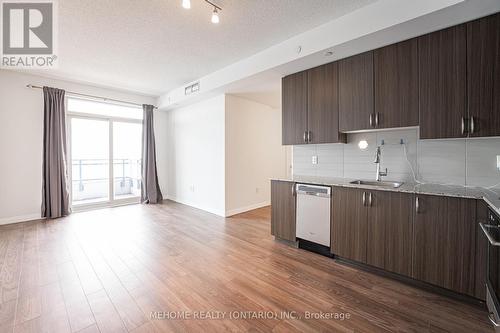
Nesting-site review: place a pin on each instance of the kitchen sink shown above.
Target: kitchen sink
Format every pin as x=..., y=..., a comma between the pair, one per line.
x=375, y=183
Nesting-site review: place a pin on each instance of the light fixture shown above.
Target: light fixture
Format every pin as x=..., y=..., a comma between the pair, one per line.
x=215, y=16
x=363, y=144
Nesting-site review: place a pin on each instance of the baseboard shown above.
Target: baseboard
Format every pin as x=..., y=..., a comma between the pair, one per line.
x=18, y=219
x=246, y=208
x=190, y=204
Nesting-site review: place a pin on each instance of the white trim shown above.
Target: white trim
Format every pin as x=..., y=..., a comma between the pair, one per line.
x=20, y=218
x=191, y=204
x=247, y=208
x=105, y=204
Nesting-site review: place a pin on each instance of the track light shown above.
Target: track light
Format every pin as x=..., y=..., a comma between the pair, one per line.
x=215, y=16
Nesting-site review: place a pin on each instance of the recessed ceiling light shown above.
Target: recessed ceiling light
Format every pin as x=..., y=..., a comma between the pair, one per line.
x=186, y=4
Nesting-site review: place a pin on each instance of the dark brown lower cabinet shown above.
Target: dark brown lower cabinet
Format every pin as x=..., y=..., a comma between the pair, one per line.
x=373, y=227
x=349, y=224
x=390, y=231
x=283, y=210
x=445, y=242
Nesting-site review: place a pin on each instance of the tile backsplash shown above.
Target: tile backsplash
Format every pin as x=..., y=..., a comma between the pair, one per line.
x=471, y=162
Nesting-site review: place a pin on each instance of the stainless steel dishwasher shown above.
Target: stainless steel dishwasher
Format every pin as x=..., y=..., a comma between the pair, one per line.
x=313, y=216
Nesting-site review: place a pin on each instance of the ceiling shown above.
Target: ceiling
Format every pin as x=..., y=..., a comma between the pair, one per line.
x=154, y=46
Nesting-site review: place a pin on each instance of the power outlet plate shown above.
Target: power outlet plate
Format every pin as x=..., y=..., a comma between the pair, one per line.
x=498, y=162
x=315, y=159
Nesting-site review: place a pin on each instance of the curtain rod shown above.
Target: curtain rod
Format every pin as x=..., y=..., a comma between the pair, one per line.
x=92, y=96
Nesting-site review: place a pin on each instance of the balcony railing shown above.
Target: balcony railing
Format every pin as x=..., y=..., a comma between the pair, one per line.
x=91, y=179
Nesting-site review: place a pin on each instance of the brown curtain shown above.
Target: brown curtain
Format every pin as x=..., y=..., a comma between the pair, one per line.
x=55, y=184
x=150, y=189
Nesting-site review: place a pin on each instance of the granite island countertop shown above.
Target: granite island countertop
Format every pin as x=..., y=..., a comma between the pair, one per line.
x=492, y=198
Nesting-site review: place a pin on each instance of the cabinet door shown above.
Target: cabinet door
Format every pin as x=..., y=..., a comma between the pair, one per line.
x=390, y=231
x=349, y=223
x=483, y=72
x=356, y=92
x=322, y=100
x=294, y=108
x=442, y=84
x=396, y=85
x=283, y=210
x=445, y=242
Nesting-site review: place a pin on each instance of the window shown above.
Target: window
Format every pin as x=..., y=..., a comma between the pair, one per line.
x=105, y=151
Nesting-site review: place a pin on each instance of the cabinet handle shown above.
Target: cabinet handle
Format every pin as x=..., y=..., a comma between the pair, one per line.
x=305, y=136
x=472, y=125
x=371, y=120
x=417, y=204
x=364, y=198
x=463, y=126
x=293, y=189
x=376, y=119
x=370, y=199
x=309, y=136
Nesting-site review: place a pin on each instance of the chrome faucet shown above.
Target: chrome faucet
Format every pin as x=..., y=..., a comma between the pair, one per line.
x=377, y=162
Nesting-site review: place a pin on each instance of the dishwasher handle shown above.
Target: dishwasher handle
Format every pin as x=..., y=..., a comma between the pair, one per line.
x=313, y=190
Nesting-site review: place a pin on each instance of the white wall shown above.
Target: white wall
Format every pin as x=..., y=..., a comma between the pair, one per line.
x=219, y=154
x=21, y=121
x=254, y=153
x=195, y=155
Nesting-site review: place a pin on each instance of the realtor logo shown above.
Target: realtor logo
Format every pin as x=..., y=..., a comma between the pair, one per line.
x=28, y=34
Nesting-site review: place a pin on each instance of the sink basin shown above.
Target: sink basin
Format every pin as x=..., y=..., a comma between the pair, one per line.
x=375, y=183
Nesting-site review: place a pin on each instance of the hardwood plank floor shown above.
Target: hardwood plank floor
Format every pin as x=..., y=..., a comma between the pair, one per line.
x=108, y=270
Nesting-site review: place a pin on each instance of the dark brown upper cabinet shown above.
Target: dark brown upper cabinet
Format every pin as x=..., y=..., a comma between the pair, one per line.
x=294, y=109
x=390, y=231
x=483, y=76
x=396, y=85
x=310, y=106
x=283, y=210
x=446, y=82
x=322, y=105
x=442, y=84
x=356, y=92
x=445, y=242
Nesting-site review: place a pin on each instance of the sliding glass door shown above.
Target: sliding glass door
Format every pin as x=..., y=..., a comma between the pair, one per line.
x=90, y=156
x=105, y=154
x=126, y=159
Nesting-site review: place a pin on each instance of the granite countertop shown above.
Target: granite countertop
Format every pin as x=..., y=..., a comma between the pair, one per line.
x=492, y=198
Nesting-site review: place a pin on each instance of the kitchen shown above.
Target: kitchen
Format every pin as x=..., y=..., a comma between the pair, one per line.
x=396, y=162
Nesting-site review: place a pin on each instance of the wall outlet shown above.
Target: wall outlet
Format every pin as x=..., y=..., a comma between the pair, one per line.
x=498, y=162
x=256, y=190
x=315, y=159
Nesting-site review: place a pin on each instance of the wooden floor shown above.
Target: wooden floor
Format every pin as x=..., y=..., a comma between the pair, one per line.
x=108, y=270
